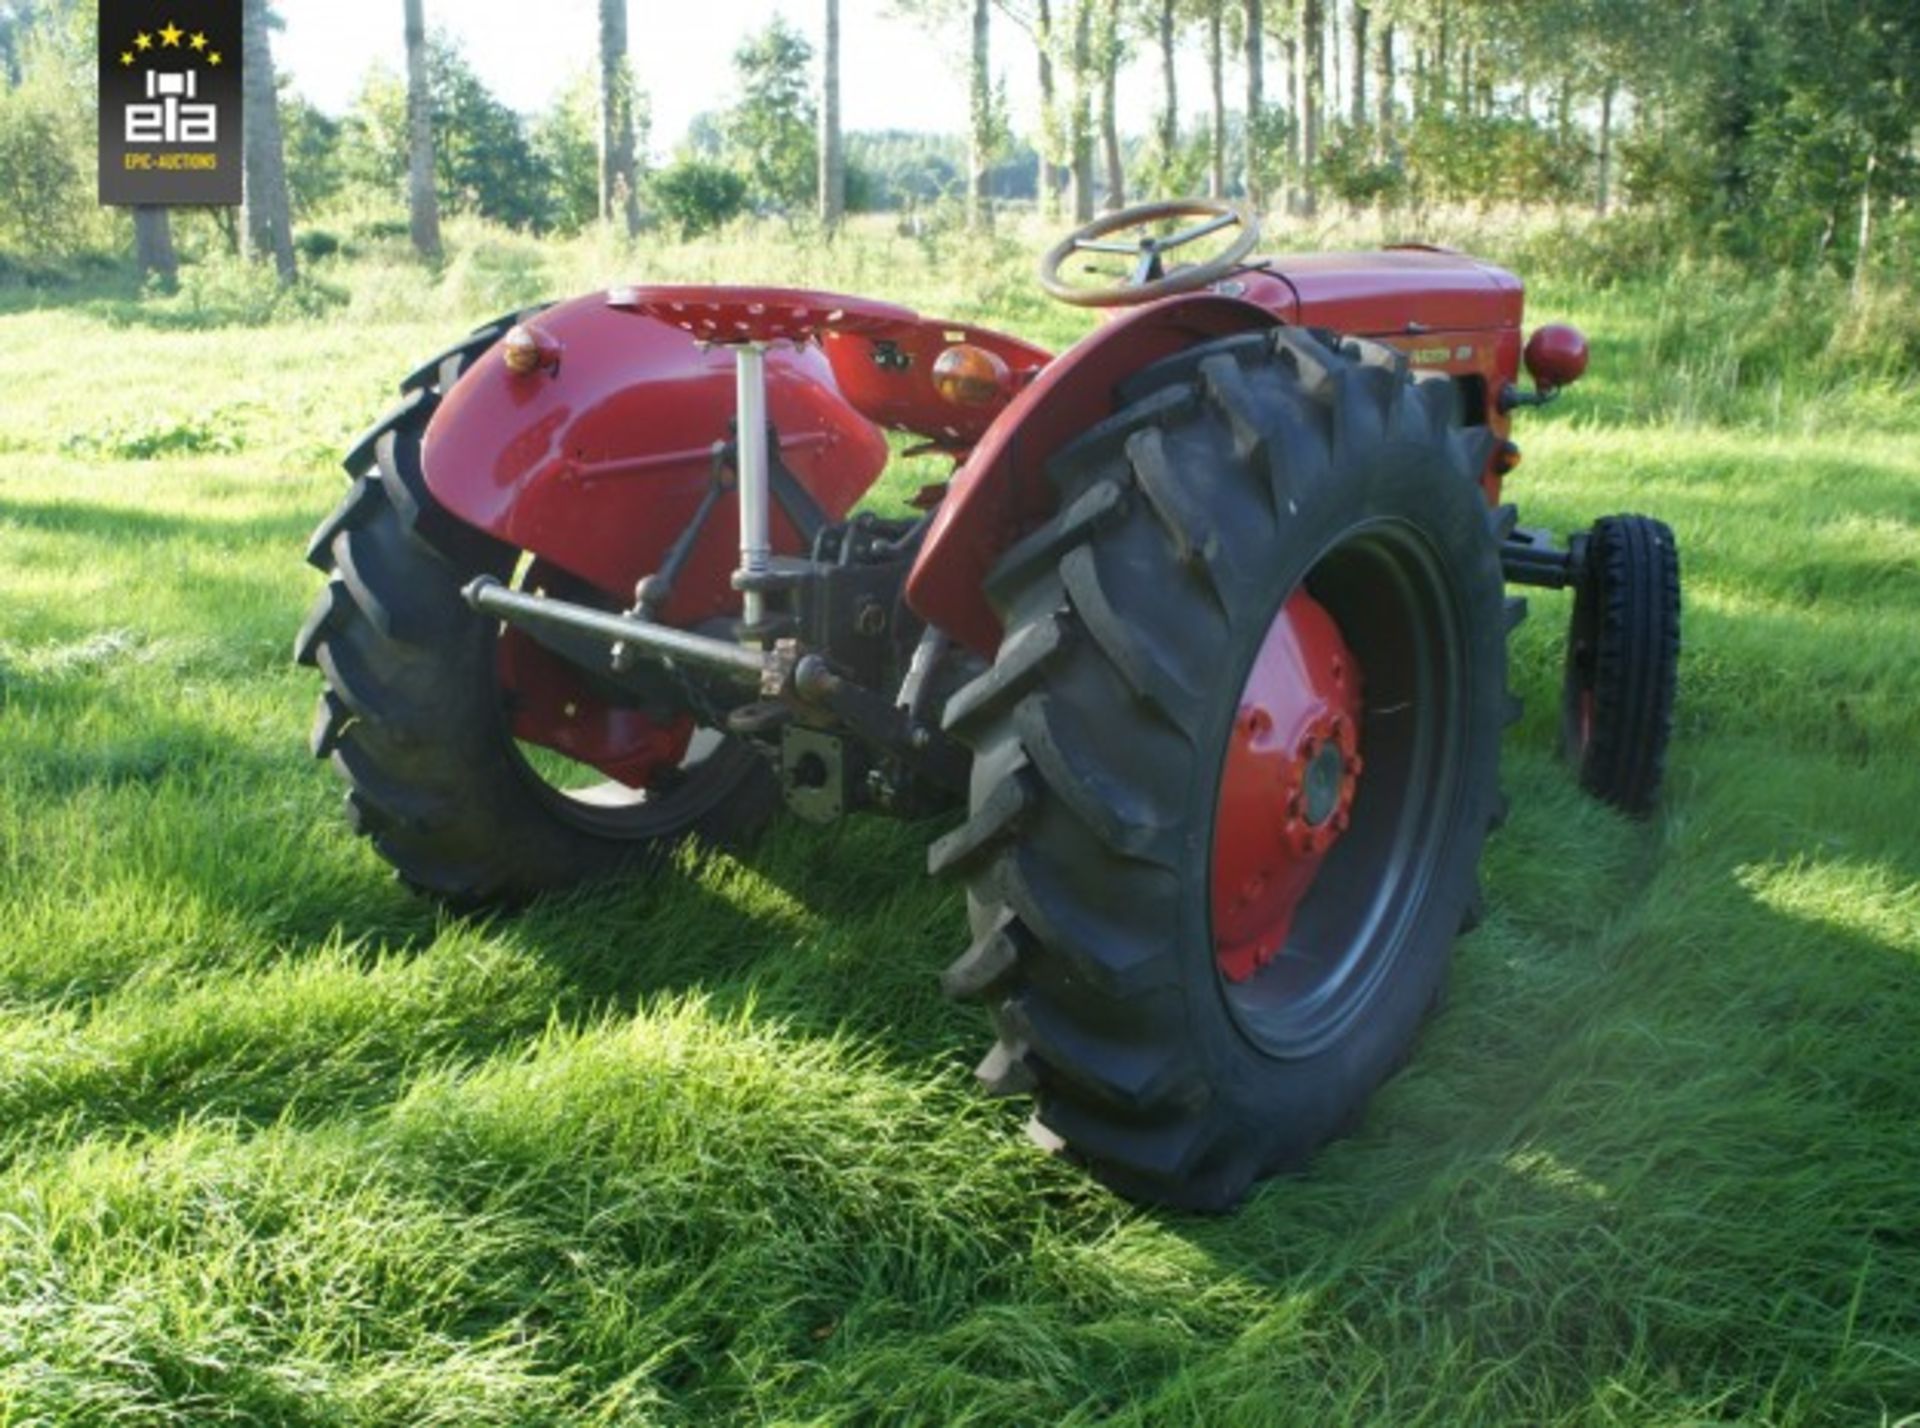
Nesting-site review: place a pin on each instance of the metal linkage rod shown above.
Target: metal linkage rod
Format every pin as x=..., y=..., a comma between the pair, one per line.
x=664, y=642
x=756, y=537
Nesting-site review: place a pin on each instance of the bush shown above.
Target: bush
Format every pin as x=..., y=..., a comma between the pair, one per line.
x=383, y=230
x=496, y=275
x=1354, y=175
x=1492, y=159
x=222, y=291
x=698, y=197
x=47, y=199
x=149, y=439
x=314, y=243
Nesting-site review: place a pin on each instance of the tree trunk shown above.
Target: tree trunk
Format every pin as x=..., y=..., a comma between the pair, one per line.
x=1336, y=87
x=833, y=162
x=980, y=127
x=1292, y=80
x=153, y=245
x=1383, y=100
x=1563, y=109
x=1170, y=91
x=268, y=208
x=619, y=184
x=1049, y=181
x=1256, y=107
x=1217, y=79
x=1082, y=120
x=1359, y=84
x=1437, y=72
x=1313, y=64
x=1603, y=195
x=1109, y=120
x=423, y=202
x=1863, y=251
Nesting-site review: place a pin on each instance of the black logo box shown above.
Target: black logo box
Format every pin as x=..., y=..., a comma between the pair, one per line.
x=170, y=83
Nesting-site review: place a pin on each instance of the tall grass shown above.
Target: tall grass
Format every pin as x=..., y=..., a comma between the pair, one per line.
x=280, y=1144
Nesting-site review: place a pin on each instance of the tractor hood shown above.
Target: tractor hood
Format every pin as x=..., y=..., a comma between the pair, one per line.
x=1390, y=292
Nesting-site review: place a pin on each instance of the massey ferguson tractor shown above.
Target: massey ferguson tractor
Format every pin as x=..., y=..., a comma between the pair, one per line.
x=1205, y=640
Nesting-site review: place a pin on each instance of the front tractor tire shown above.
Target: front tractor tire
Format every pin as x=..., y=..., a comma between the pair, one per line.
x=415, y=719
x=1623, y=662
x=1234, y=762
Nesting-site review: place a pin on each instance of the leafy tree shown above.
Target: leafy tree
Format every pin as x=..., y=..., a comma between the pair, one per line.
x=46, y=170
x=698, y=196
x=566, y=144
x=769, y=134
x=315, y=174
x=483, y=159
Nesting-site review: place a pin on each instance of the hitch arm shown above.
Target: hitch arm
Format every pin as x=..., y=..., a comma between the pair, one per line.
x=664, y=642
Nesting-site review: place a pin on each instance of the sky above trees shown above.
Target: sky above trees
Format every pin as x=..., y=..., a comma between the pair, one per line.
x=895, y=73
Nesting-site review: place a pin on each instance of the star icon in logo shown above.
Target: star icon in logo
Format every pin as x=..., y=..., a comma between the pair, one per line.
x=214, y=58
x=143, y=41
x=126, y=57
x=199, y=42
x=170, y=37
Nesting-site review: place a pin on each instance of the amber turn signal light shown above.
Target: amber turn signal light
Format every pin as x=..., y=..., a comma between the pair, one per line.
x=525, y=351
x=970, y=376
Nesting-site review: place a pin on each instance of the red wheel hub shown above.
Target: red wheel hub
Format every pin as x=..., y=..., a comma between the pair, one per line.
x=1286, y=790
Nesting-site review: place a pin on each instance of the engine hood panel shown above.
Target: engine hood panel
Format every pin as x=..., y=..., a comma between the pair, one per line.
x=1400, y=290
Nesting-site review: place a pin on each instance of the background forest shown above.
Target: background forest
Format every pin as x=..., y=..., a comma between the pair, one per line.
x=1771, y=132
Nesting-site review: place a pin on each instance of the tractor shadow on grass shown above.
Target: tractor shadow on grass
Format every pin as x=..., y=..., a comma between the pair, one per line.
x=131, y=526
x=736, y=935
x=827, y=930
x=1662, y=1128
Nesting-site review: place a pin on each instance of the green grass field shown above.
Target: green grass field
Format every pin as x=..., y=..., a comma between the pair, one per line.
x=280, y=1144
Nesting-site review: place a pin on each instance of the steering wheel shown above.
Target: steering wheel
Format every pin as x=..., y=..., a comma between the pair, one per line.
x=1150, y=278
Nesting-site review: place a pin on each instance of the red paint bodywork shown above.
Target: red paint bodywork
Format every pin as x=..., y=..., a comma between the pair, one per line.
x=597, y=464
x=1002, y=491
x=903, y=398
x=1448, y=312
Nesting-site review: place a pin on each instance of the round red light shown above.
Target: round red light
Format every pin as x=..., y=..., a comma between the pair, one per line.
x=1556, y=356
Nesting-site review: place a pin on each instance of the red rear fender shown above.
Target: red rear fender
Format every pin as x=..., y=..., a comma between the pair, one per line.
x=599, y=463
x=1002, y=491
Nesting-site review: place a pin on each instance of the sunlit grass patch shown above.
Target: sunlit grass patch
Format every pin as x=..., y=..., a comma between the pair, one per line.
x=281, y=1143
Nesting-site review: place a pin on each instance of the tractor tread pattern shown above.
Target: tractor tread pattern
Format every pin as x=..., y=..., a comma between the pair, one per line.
x=1071, y=854
x=408, y=715
x=1634, y=576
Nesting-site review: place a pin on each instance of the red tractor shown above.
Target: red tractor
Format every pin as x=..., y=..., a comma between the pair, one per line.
x=1207, y=635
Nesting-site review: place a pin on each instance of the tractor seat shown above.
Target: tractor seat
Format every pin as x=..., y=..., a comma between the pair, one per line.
x=739, y=316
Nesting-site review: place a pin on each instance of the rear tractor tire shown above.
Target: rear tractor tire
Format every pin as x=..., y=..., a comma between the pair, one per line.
x=1623, y=653
x=1234, y=762
x=414, y=716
